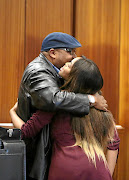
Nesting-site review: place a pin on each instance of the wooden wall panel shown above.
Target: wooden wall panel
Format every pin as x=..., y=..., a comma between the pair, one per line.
x=97, y=27
x=126, y=159
x=124, y=81
x=12, y=15
x=44, y=17
x=124, y=65
x=119, y=173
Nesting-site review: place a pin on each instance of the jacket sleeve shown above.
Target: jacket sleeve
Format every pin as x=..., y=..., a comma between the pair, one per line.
x=46, y=94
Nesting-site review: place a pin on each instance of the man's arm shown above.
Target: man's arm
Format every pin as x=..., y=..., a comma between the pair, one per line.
x=47, y=95
x=40, y=83
x=33, y=125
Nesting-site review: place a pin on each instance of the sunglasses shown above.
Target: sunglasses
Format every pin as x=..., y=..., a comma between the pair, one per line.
x=70, y=51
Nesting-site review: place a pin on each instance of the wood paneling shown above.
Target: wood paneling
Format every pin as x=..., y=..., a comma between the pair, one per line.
x=124, y=81
x=44, y=17
x=126, y=159
x=12, y=23
x=124, y=65
x=119, y=173
x=97, y=27
x=122, y=166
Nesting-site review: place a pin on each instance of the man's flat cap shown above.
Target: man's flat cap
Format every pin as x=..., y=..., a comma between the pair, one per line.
x=59, y=40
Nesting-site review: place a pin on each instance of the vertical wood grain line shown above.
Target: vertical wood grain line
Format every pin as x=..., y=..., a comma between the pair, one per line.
x=74, y=17
x=25, y=37
x=119, y=63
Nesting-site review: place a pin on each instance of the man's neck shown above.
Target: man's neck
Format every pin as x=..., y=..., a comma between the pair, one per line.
x=47, y=56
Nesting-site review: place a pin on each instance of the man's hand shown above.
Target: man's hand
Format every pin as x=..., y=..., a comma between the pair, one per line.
x=100, y=102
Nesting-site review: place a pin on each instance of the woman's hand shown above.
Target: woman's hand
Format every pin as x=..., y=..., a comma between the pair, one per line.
x=14, y=108
x=17, y=122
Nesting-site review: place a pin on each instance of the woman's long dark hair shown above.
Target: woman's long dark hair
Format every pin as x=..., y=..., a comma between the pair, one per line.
x=95, y=130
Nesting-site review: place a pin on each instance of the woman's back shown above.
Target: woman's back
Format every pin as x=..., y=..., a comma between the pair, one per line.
x=68, y=161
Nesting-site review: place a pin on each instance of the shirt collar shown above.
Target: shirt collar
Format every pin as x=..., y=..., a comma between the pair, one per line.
x=56, y=69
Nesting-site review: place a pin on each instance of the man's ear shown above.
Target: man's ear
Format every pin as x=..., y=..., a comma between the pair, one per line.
x=52, y=53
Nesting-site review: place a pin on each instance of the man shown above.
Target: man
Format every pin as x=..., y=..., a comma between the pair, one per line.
x=39, y=89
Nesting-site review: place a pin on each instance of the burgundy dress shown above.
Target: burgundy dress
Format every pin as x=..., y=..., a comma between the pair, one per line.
x=67, y=163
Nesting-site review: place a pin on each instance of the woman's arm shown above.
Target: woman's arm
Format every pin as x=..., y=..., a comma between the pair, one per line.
x=113, y=151
x=17, y=122
x=111, y=159
x=33, y=126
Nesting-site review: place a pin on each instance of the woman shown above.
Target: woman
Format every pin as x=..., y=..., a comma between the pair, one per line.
x=79, y=143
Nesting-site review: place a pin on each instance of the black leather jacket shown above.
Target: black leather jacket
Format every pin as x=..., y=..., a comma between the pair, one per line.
x=39, y=89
